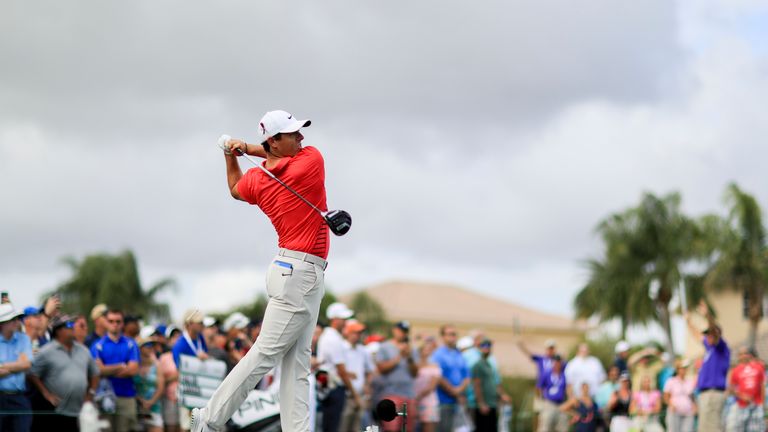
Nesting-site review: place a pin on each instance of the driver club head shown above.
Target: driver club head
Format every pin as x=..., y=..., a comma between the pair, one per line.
x=338, y=221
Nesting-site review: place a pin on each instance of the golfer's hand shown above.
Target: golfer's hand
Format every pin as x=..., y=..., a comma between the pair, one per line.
x=237, y=146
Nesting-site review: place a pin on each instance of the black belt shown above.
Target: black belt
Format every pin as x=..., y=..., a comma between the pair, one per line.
x=711, y=389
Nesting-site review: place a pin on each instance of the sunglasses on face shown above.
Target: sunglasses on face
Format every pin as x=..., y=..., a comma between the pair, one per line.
x=115, y=321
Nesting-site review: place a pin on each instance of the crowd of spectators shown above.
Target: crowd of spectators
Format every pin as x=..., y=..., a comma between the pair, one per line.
x=649, y=390
x=51, y=365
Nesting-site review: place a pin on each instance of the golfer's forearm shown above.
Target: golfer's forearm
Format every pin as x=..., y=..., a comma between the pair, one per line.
x=234, y=173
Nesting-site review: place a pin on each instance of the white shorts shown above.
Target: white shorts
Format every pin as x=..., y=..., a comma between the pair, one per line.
x=154, y=419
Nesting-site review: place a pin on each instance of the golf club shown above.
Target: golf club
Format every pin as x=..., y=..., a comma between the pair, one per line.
x=338, y=221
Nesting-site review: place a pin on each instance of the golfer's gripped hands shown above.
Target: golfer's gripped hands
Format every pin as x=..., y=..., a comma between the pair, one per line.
x=236, y=146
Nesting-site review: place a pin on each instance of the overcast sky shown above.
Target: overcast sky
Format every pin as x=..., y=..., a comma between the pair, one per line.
x=476, y=143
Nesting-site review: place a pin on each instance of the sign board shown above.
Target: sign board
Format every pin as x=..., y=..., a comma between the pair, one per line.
x=199, y=379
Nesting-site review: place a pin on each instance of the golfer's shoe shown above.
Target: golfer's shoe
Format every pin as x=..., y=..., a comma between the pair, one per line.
x=196, y=423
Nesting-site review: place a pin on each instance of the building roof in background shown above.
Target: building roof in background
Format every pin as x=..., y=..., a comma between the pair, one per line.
x=419, y=301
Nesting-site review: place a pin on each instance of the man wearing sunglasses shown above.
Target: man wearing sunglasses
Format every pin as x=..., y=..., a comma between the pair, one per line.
x=117, y=357
x=66, y=376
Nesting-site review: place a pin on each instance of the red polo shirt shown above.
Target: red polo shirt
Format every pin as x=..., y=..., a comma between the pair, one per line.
x=298, y=226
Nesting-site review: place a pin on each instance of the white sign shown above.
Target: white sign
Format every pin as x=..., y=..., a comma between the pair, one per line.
x=199, y=379
x=257, y=406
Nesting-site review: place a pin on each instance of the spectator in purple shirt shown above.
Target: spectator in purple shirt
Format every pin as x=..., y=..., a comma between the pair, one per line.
x=455, y=378
x=712, y=375
x=543, y=362
x=553, y=393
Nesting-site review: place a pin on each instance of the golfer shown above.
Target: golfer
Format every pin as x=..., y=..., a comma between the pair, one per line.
x=294, y=278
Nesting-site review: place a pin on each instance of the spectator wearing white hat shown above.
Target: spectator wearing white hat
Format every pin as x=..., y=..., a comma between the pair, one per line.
x=331, y=353
x=15, y=359
x=191, y=343
x=238, y=342
x=622, y=357
x=99, y=318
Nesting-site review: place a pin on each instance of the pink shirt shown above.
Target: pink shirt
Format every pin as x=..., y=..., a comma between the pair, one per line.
x=423, y=379
x=167, y=367
x=645, y=401
x=680, y=394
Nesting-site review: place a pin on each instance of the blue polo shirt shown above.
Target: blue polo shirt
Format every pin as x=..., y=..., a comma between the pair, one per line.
x=553, y=387
x=714, y=369
x=454, y=369
x=182, y=347
x=10, y=350
x=110, y=353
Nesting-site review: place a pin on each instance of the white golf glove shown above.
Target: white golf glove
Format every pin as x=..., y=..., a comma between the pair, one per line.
x=224, y=144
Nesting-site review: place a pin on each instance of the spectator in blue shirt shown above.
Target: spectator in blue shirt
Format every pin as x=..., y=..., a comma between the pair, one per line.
x=117, y=357
x=15, y=359
x=455, y=379
x=191, y=342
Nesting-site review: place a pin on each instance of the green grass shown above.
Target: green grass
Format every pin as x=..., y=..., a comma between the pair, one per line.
x=521, y=392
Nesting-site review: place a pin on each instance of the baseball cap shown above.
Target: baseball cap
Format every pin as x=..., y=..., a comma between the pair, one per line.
x=98, y=311
x=169, y=331
x=62, y=321
x=353, y=326
x=279, y=121
x=465, y=343
x=209, y=321
x=31, y=310
x=237, y=321
x=486, y=343
x=193, y=316
x=550, y=343
x=8, y=312
x=141, y=341
x=403, y=325
x=338, y=310
x=622, y=346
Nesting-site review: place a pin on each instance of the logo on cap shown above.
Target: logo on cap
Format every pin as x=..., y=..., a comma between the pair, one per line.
x=263, y=129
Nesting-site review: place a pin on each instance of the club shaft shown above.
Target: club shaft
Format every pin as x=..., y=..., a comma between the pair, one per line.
x=273, y=177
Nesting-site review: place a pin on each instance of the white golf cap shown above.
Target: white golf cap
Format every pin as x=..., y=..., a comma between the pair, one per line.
x=235, y=321
x=622, y=346
x=8, y=312
x=550, y=343
x=275, y=122
x=338, y=310
x=465, y=342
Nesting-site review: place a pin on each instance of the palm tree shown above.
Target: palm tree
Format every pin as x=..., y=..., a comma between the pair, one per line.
x=113, y=280
x=742, y=264
x=646, y=248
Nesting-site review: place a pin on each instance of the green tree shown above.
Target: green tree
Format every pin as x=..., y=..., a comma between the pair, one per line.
x=370, y=312
x=646, y=248
x=742, y=264
x=113, y=280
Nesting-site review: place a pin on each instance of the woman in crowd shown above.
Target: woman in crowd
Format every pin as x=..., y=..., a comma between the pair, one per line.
x=678, y=395
x=426, y=387
x=150, y=385
x=645, y=407
x=618, y=406
x=170, y=401
x=583, y=411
